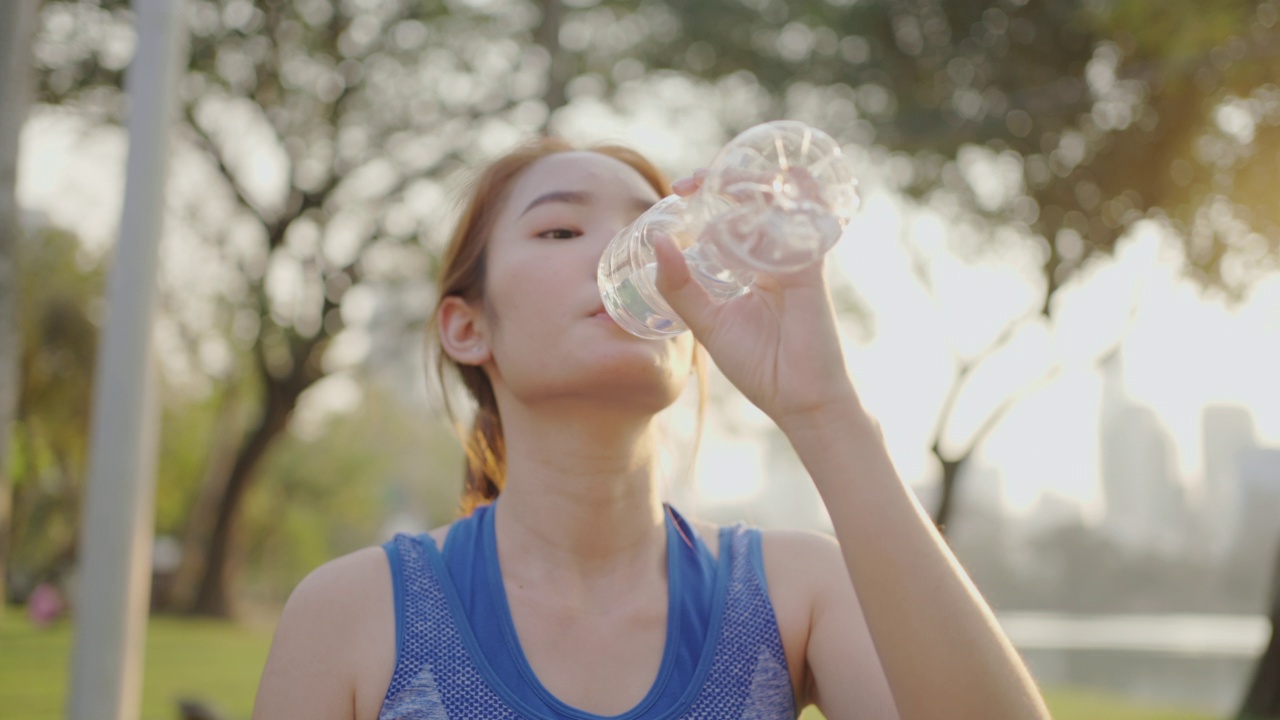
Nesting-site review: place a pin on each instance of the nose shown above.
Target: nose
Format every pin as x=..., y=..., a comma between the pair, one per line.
x=610, y=231
x=600, y=245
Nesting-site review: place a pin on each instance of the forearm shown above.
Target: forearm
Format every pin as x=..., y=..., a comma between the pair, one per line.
x=941, y=649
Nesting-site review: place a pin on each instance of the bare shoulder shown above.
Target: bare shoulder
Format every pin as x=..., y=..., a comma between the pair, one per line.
x=800, y=566
x=803, y=559
x=345, y=589
x=820, y=616
x=334, y=647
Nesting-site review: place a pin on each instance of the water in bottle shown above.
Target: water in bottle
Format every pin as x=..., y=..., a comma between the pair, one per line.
x=774, y=200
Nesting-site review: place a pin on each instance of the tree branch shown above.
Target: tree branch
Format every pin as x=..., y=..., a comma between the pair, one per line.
x=210, y=146
x=965, y=369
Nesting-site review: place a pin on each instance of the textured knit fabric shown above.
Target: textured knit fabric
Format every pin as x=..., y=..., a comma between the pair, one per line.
x=443, y=672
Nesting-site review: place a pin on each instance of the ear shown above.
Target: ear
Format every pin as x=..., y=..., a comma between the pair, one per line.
x=463, y=331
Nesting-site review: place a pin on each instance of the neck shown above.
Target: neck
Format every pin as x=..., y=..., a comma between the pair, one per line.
x=581, y=493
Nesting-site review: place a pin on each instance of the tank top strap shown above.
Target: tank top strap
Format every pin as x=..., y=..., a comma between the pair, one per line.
x=748, y=676
x=435, y=676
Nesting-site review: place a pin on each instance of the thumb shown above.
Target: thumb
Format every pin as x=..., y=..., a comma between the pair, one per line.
x=680, y=290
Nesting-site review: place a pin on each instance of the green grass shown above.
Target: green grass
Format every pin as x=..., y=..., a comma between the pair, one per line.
x=216, y=662
x=220, y=663
x=1072, y=704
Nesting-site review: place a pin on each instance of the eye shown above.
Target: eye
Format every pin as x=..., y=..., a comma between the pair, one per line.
x=559, y=234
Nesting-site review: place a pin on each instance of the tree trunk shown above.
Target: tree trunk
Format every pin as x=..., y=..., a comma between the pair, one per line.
x=1263, y=699
x=214, y=592
x=17, y=21
x=946, y=499
x=179, y=591
x=559, y=69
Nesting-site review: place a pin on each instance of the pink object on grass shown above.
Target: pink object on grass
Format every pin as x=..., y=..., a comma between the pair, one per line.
x=45, y=604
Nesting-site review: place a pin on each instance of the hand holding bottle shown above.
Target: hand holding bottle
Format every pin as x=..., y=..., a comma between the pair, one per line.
x=778, y=344
x=774, y=200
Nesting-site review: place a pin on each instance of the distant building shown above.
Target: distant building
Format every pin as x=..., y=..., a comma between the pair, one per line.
x=1256, y=529
x=1146, y=503
x=981, y=535
x=979, y=516
x=1227, y=435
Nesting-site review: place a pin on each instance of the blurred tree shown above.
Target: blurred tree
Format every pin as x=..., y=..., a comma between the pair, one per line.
x=1100, y=113
x=16, y=22
x=1046, y=128
x=59, y=293
x=320, y=123
x=327, y=487
x=1065, y=122
x=334, y=478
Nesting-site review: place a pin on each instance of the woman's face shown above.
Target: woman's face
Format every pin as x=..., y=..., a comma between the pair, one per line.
x=548, y=334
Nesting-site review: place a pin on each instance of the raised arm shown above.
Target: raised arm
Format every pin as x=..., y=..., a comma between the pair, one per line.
x=937, y=640
x=942, y=652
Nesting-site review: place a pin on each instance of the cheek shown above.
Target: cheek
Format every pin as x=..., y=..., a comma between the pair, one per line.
x=529, y=282
x=524, y=302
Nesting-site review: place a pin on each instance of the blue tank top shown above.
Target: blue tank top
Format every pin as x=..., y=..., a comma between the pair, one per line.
x=458, y=657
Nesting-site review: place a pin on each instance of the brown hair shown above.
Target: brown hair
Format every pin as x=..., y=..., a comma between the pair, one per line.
x=463, y=275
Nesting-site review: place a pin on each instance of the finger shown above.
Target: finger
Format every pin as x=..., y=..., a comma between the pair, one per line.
x=680, y=290
x=687, y=186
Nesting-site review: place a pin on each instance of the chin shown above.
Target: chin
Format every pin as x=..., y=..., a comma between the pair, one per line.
x=648, y=388
x=643, y=375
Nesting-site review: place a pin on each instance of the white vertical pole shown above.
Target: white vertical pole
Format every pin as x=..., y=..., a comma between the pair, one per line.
x=118, y=520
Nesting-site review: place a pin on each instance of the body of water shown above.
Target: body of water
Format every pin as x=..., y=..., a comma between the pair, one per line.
x=1191, y=661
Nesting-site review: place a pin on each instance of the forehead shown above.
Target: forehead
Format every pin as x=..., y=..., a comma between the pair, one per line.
x=579, y=171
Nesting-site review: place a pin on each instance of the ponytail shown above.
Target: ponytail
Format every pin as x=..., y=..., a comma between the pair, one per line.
x=486, y=470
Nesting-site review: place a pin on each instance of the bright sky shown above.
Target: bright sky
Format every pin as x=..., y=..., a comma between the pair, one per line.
x=1181, y=351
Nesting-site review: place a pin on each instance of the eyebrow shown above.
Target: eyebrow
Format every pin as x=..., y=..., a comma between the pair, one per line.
x=578, y=197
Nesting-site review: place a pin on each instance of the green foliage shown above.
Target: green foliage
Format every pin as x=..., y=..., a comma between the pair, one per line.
x=57, y=294
x=328, y=491
x=319, y=498
x=1161, y=31
x=189, y=435
x=1113, y=111
x=323, y=495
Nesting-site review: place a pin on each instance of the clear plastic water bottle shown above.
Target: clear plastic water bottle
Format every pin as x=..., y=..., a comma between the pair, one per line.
x=774, y=200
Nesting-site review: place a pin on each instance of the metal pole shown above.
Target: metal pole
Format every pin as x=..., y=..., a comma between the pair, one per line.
x=118, y=522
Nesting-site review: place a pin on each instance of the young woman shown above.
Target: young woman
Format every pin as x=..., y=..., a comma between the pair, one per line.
x=570, y=590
